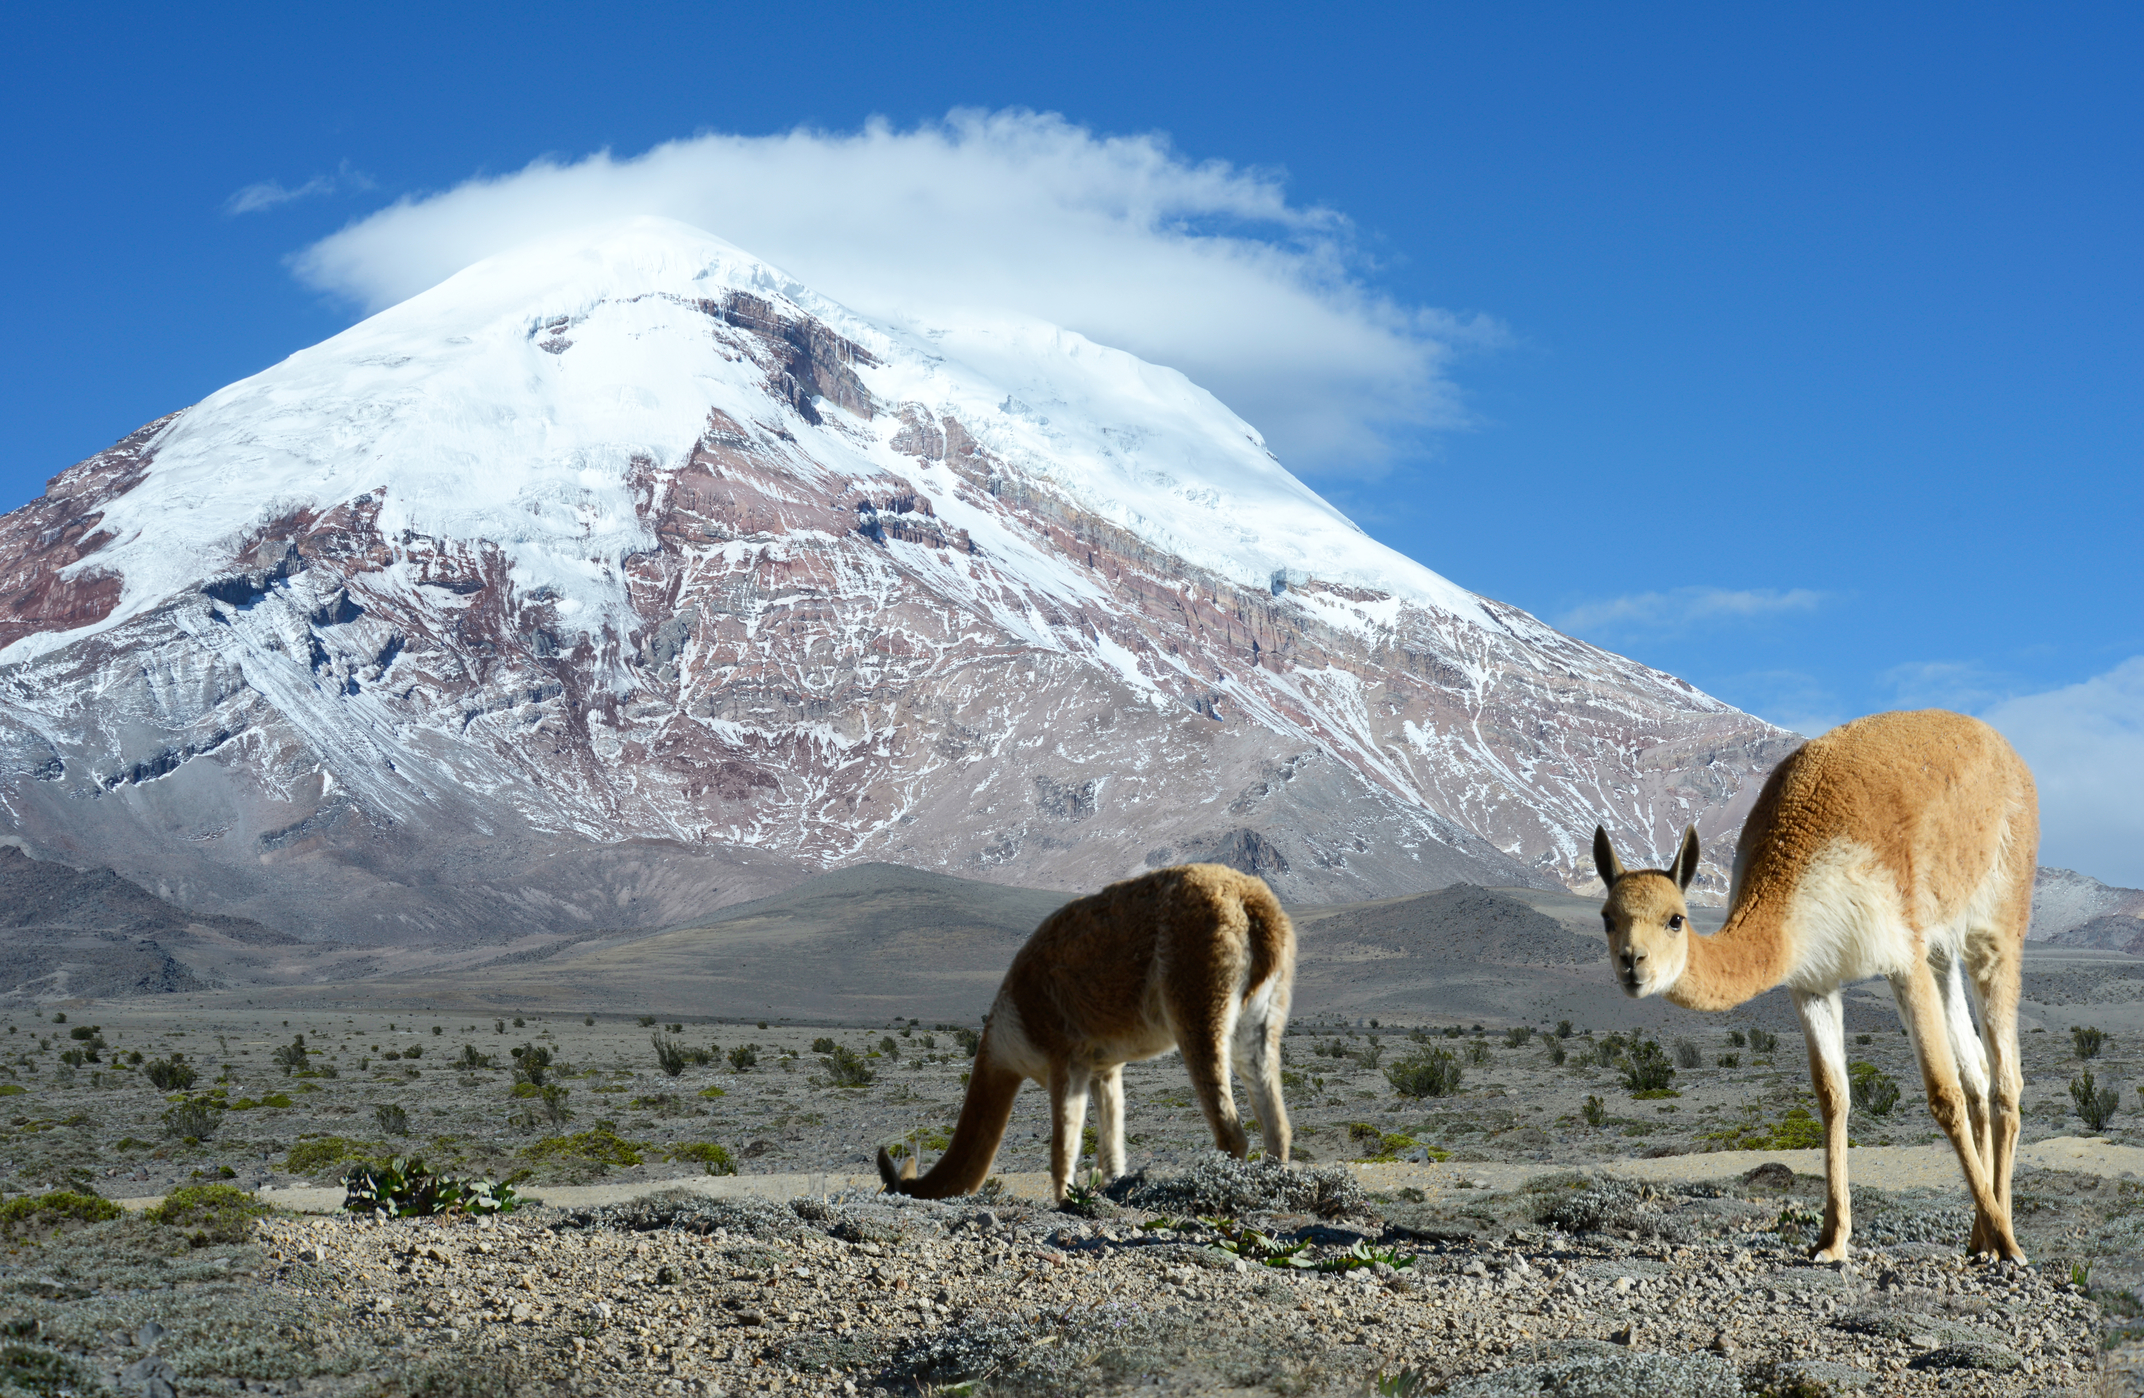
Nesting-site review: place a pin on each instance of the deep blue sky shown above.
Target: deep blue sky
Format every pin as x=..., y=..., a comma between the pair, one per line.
x=1795, y=297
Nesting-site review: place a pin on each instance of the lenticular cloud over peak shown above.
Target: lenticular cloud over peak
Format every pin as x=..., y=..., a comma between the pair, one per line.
x=1203, y=267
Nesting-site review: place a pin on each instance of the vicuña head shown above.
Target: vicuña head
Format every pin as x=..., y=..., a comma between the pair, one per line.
x=1647, y=920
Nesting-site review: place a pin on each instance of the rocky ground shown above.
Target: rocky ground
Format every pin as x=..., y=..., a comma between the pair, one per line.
x=1575, y=1285
x=1697, y=1285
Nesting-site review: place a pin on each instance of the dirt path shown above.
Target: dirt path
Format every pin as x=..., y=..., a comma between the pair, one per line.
x=1884, y=1167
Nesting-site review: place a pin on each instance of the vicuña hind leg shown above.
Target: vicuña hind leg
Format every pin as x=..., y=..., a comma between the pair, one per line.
x=1995, y=982
x=1972, y=1058
x=1824, y=1028
x=1258, y=1060
x=1109, y=1120
x=1202, y=1013
x=1920, y=1002
x=1068, y=1118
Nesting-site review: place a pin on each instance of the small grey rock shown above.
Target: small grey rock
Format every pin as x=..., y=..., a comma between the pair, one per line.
x=148, y=1335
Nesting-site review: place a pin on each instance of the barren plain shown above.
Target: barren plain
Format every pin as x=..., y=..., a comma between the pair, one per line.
x=1464, y=1042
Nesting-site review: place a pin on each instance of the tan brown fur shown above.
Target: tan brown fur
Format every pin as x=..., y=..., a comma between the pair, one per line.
x=1198, y=958
x=1900, y=845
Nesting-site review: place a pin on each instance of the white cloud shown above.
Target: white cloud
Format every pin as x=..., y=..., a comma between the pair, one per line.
x=269, y=194
x=1205, y=267
x=2085, y=744
x=1684, y=607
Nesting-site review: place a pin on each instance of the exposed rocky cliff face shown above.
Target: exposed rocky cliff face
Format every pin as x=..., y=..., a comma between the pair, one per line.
x=616, y=580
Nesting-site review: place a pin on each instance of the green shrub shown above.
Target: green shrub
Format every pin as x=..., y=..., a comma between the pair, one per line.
x=1426, y=1073
x=37, y=1218
x=532, y=1064
x=1478, y=1053
x=845, y=1067
x=600, y=1146
x=1728, y=1060
x=1687, y=1055
x=2095, y=1104
x=1595, y=1111
x=1646, y=1067
x=195, y=1119
x=472, y=1059
x=405, y=1189
x=1735, y=1039
x=717, y=1159
x=290, y=1056
x=391, y=1119
x=1563, y=1029
x=822, y=1044
x=647, y=1021
x=714, y=1092
x=312, y=1156
x=744, y=1056
x=211, y=1213
x=968, y=1040
x=1872, y=1089
x=1519, y=1036
x=1761, y=1042
x=2087, y=1042
x=670, y=1055
x=173, y=1074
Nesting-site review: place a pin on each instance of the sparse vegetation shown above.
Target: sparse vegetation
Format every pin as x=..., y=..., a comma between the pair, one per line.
x=209, y=1214
x=1872, y=1089
x=1426, y=1073
x=1687, y=1055
x=1646, y=1068
x=2095, y=1104
x=845, y=1067
x=670, y=1055
x=1595, y=1111
x=1761, y=1041
x=2087, y=1042
x=391, y=1119
x=1518, y=1036
x=195, y=1119
x=744, y=1057
x=173, y=1074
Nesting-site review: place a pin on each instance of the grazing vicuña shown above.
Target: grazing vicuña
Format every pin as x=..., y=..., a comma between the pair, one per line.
x=1198, y=958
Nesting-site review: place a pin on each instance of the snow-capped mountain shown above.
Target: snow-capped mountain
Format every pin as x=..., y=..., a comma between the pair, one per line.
x=620, y=576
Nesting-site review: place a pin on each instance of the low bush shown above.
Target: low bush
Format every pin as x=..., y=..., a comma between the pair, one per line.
x=717, y=1159
x=290, y=1056
x=744, y=1057
x=1518, y=1037
x=968, y=1040
x=1426, y=1073
x=2087, y=1043
x=1646, y=1067
x=1595, y=1111
x=822, y=1044
x=391, y=1119
x=2095, y=1104
x=845, y=1067
x=309, y=1157
x=1762, y=1042
x=1478, y=1052
x=1872, y=1089
x=670, y=1055
x=209, y=1213
x=195, y=1119
x=1687, y=1055
x=37, y=1217
x=600, y=1146
x=173, y=1074
x=1220, y=1184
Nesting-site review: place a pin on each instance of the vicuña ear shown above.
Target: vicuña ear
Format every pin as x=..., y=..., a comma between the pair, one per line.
x=1605, y=863
x=1686, y=859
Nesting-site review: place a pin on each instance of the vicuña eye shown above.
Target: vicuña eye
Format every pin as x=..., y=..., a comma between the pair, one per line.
x=1675, y=923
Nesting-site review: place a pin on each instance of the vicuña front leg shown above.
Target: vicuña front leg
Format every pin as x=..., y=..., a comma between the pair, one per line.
x=1920, y=1002
x=1109, y=1120
x=1068, y=1118
x=1824, y=1029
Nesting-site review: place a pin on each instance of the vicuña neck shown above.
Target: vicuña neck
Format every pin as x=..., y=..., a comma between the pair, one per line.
x=1738, y=963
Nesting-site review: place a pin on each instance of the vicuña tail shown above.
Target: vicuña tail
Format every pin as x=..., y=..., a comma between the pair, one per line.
x=967, y=1159
x=1269, y=933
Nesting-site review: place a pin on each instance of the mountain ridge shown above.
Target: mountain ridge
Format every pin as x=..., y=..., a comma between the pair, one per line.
x=621, y=576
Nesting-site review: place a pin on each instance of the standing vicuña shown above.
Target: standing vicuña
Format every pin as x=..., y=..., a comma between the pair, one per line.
x=1198, y=958
x=1900, y=845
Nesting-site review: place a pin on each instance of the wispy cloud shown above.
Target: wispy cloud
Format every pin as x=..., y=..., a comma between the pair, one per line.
x=1200, y=265
x=2085, y=744
x=1685, y=607
x=269, y=194
x=1965, y=685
